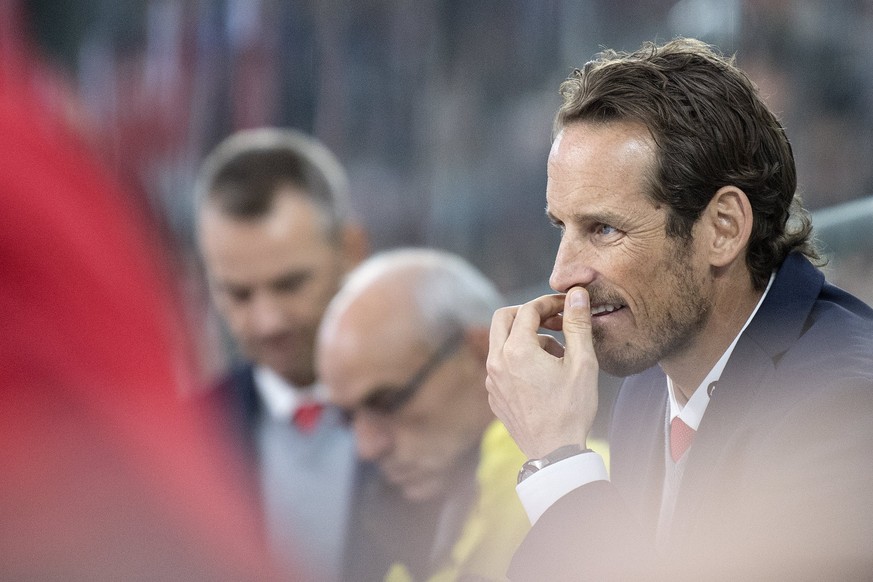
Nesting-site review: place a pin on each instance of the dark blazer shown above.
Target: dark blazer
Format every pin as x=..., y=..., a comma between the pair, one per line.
x=235, y=402
x=779, y=482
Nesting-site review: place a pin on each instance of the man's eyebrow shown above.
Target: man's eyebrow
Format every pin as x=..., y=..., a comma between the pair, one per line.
x=551, y=217
x=598, y=217
x=229, y=286
x=292, y=277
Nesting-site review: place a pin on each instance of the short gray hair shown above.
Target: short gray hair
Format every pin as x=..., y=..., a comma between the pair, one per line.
x=449, y=292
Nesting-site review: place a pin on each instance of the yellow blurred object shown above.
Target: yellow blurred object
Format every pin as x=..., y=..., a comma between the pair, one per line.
x=497, y=523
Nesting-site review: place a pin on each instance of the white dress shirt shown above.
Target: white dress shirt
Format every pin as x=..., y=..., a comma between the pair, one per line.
x=280, y=398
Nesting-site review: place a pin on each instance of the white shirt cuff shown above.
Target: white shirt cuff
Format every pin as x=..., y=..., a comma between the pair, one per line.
x=542, y=489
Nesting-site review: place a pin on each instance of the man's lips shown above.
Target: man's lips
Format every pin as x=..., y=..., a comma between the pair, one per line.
x=605, y=309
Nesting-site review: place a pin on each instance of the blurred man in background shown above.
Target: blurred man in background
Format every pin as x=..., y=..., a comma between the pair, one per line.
x=402, y=352
x=276, y=238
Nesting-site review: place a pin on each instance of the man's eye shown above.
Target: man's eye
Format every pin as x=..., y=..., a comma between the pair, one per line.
x=605, y=230
x=291, y=283
x=383, y=401
x=238, y=295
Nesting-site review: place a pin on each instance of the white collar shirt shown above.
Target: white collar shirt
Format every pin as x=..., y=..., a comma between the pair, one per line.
x=692, y=413
x=281, y=399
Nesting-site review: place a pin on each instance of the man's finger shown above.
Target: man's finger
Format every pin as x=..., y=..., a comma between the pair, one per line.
x=554, y=323
x=551, y=346
x=577, y=324
x=533, y=314
x=501, y=323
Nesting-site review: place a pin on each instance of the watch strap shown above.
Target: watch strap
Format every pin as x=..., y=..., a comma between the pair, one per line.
x=559, y=454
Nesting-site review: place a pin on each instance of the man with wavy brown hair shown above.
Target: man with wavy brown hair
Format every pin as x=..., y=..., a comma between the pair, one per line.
x=740, y=438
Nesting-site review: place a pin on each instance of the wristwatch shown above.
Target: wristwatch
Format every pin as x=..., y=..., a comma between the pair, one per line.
x=559, y=454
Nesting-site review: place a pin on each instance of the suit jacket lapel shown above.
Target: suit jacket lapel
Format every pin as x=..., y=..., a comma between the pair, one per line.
x=638, y=445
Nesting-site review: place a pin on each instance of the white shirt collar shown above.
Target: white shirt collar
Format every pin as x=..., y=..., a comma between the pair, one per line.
x=692, y=413
x=281, y=398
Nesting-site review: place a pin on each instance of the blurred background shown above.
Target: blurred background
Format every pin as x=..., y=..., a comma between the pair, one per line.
x=440, y=109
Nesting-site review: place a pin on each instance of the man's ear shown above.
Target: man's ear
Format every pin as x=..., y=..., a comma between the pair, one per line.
x=728, y=218
x=355, y=244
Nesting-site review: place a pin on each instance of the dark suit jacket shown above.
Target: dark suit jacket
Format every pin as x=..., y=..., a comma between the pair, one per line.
x=779, y=482
x=231, y=408
x=235, y=402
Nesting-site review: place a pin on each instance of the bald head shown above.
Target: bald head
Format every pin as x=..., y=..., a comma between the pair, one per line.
x=437, y=289
x=402, y=348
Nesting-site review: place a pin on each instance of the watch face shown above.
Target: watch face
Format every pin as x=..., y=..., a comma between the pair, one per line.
x=529, y=468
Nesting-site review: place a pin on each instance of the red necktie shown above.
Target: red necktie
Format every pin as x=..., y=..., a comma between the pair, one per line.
x=306, y=416
x=681, y=436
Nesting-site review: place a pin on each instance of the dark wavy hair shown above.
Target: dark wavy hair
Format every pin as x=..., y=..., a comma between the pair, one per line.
x=711, y=129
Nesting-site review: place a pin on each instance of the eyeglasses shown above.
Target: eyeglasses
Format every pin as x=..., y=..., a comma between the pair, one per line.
x=386, y=400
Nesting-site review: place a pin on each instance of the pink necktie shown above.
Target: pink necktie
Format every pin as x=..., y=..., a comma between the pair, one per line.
x=681, y=436
x=306, y=416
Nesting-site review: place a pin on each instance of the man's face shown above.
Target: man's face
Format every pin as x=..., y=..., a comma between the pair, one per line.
x=419, y=445
x=271, y=278
x=650, y=294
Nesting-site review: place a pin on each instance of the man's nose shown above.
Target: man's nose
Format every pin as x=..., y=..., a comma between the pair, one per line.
x=372, y=439
x=573, y=266
x=265, y=315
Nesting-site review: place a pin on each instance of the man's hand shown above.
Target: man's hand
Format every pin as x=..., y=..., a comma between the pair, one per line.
x=545, y=393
